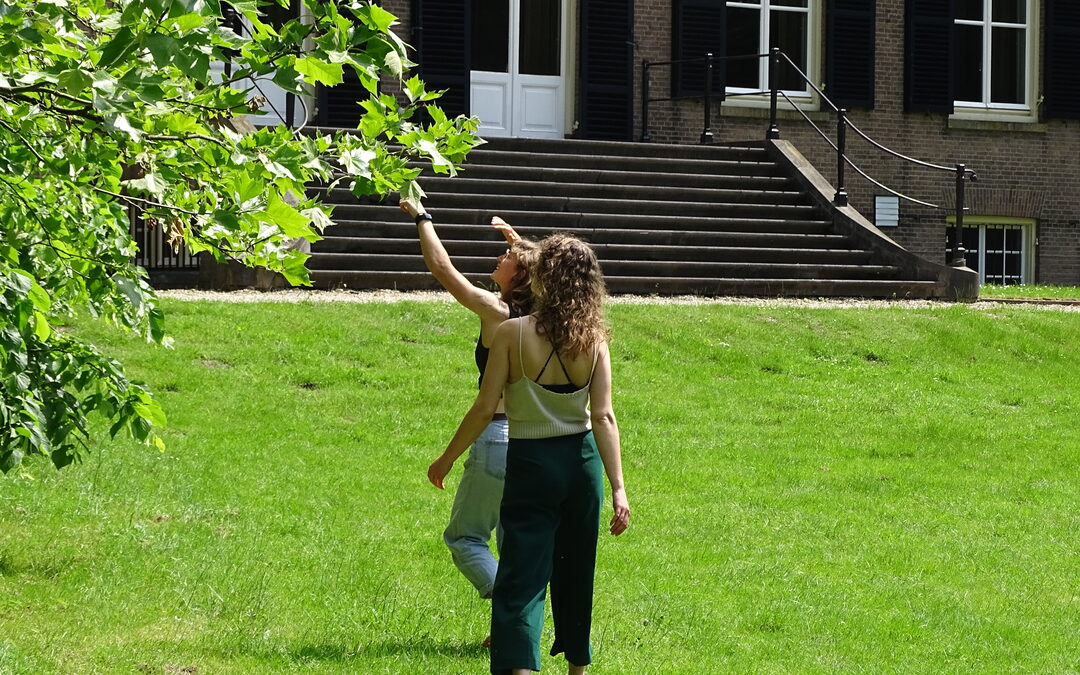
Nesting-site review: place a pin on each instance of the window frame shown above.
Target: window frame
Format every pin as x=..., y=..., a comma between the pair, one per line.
x=743, y=96
x=987, y=109
x=1027, y=242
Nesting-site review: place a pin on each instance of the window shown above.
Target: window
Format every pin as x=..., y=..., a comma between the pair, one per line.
x=999, y=249
x=992, y=65
x=754, y=27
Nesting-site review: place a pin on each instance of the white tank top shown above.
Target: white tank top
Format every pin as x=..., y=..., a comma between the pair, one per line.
x=535, y=412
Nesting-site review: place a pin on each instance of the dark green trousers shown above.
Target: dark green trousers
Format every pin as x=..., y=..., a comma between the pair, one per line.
x=551, y=517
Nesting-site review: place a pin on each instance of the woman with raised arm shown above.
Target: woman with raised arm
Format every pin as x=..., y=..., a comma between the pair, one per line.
x=475, y=512
x=556, y=370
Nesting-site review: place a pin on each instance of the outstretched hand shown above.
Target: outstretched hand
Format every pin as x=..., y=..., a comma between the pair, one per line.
x=620, y=520
x=436, y=473
x=504, y=228
x=411, y=207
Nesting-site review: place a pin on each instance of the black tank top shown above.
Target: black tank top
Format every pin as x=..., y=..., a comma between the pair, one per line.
x=481, y=353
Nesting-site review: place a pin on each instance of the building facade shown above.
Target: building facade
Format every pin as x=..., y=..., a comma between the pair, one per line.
x=991, y=84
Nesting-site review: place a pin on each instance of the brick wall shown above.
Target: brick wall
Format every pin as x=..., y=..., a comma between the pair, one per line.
x=1029, y=170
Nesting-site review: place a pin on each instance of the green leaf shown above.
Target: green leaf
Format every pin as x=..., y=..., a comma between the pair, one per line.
x=117, y=48
x=42, y=329
x=40, y=297
x=394, y=63
x=73, y=81
x=317, y=71
x=150, y=410
x=292, y=223
x=411, y=190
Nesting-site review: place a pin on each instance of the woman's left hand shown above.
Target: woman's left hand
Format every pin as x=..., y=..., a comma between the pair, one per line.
x=436, y=473
x=620, y=520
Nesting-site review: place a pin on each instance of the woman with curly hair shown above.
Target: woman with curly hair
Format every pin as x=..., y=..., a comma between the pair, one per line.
x=475, y=513
x=556, y=370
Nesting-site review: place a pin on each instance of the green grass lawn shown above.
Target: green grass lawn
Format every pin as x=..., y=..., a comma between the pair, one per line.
x=881, y=490
x=991, y=291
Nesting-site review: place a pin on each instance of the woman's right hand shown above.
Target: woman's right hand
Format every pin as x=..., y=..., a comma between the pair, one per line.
x=410, y=207
x=504, y=228
x=620, y=520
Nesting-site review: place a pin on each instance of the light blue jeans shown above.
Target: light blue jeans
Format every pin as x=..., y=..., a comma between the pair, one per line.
x=476, y=509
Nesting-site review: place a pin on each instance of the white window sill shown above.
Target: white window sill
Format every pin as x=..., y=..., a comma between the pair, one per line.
x=757, y=107
x=990, y=122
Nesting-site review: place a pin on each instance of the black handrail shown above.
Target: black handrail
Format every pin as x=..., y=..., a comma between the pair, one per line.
x=843, y=123
x=708, y=62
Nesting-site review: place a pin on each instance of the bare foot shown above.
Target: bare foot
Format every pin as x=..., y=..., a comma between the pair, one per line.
x=486, y=644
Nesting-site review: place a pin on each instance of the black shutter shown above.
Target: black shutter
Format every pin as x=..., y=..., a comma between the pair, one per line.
x=1062, y=88
x=441, y=36
x=607, y=70
x=928, y=56
x=338, y=105
x=849, y=59
x=698, y=27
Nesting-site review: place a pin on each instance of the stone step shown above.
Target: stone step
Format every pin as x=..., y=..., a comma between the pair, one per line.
x=618, y=163
x=436, y=187
x=370, y=220
x=612, y=251
x=616, y=267
x=743, y=152
x=581, y=208
x=762, y=287
x=340, y=235
x=614, y=177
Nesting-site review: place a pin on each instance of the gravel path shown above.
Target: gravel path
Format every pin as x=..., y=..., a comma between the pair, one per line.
x=295, y=295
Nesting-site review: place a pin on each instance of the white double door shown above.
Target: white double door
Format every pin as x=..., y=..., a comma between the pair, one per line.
x=517, y=84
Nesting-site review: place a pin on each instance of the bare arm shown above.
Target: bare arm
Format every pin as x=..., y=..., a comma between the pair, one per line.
x=476, y=420
x=438, y=262
x=606, y=433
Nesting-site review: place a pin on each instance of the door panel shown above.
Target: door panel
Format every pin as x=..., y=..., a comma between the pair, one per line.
x=526, y=97
x=491, y=101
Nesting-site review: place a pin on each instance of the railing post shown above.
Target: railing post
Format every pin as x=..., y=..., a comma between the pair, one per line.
x=959, y=257
x=774, y=65
x=290, y=109
x=646, y=137
x=841, y=197
x=706, y=132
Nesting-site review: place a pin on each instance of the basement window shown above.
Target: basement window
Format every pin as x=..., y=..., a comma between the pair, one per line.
x=1001, y=250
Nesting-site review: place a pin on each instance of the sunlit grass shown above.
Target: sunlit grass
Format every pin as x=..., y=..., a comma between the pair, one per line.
x=814, y=490
x=989, y=291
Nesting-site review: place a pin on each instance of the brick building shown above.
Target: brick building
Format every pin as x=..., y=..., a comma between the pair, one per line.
x=992, y=84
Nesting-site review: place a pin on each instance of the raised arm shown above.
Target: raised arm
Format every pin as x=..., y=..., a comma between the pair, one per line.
x=472, y=425
x=479, y=301
x=606, y=433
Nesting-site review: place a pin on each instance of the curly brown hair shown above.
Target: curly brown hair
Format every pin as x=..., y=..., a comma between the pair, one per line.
x=519, y=295
x=568, y=294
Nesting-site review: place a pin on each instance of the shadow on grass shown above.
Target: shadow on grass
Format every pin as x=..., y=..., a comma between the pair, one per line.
x=47, y=569
x=385, y=648
x=348, y=651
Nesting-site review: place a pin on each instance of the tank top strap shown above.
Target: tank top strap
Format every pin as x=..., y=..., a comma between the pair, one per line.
x=542, y=369
x=521, y=355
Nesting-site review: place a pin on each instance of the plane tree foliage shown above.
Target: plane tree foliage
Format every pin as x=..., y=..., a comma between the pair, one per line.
x=114, y=107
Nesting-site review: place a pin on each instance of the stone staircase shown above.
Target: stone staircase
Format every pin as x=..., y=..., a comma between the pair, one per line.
x=751, y=219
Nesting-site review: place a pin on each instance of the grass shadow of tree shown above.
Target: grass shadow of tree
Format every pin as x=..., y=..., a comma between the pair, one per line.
x=414, y=646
